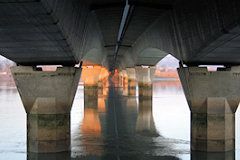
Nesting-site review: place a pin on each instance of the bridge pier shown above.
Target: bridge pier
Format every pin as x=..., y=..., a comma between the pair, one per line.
x=125, y=82
x=213, y=98
x=49, y=156
x=103, y=78
x=125, y=78
x=131, y=74
x=196, y=155
x=120, y=78
x=145, y=77
x=90, y=78
x=47, y=98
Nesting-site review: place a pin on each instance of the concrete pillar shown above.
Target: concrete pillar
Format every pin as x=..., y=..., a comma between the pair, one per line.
x=213, y=98
x=49, y=156
x=120, y=79
x=125, y=77
x=47, y=98
x=125, y=83
x=90, y=78
x=103, y=77
x=195, y=155
x=131, y=81
x=145, y=77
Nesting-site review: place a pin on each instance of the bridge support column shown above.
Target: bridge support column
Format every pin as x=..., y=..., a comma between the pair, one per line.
x=103, y=78
x=131, y=81
x=125, y=83
x=213, y=98
x=198, y=155
x=47, y=98
x=90, y=95
x=90, y=78
x=145, y=77
x=120, y=78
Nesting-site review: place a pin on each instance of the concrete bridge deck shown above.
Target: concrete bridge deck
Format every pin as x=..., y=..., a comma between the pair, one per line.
x=138, y=32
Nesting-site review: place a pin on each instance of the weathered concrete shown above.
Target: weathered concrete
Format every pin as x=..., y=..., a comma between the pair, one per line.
x=213, y=155
x=103, y=77
x=47, y=98
x=49, y=156
x=125, y=83
x=66, y=32
x=145, y=77
x=120, y=79
x=213, y=98
x=125, y=77
x=131, y=73
x=90, y=78
x=91, y=95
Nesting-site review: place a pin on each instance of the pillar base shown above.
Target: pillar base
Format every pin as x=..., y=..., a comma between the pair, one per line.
x=47, y=98
x=213, y=98
x=212, y=132
x=49, y=156
x=145, y=90
x=213, y=155
x=48, y=133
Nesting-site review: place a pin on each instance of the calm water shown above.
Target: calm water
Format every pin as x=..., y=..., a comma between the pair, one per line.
x=113, y=127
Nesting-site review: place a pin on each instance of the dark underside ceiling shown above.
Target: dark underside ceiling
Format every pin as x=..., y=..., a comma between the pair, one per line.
x=32, y=33
x=109, y=19
x=29, y=35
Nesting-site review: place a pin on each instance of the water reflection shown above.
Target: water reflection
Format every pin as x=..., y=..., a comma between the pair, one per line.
x=120, y=127
x=112, y=126
x=145, y=121
x=91, y=127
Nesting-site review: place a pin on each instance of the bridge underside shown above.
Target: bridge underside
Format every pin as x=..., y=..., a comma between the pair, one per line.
x=30, y=35
x=119, y=34
x=223, y=51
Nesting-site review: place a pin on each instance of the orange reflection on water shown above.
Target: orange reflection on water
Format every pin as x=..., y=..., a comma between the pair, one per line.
x=101, y=105
x=91, y=126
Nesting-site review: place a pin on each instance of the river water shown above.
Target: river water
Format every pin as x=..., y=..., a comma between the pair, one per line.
x=116, y=127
